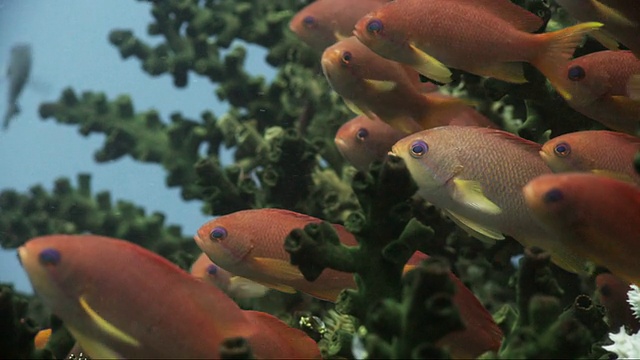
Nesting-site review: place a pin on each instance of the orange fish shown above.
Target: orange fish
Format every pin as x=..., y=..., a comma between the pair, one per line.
x=598, y=86
x=475, y=175
x=612, y=294
x=431, y=36
x=42, y=338
x=119, y=300
x=621, y=19
x=362, y=141
x=596, y=217
x=235, y=286
x=251, y=243
x=376, y=87
x=324, y=22
x=602, y=152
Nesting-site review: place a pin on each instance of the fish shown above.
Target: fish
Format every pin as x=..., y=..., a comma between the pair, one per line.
x=621, y=19
x=255, y=249
x=596, y=217
x=475, y=175
x=42, y=338
x=235, y=286
x=603, y=152
x=325, y=22
x=611, y=292
x=362, y=141
x=133, y=303
x=17, y=74
x=598, y=86
x=376, y=87
x=421, y=33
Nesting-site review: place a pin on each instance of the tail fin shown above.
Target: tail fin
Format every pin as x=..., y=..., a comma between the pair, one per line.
x=556, y=49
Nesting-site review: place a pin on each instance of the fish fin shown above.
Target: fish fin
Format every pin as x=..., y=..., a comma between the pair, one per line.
x=42, y=338
x=613, y=15
x=469, y=193
x=430, y=67
x=381, y=85
x=557, y=48
x=280, y=287
x=105, y=325
x=339, y=36
x=517, y=16
x=511, y=72
x=94, y=348
x=606, y=40
x=568, y=262
x=633, y=87
x=476, y=230
x=278, y=268
x=359, y=110
x=244, y=288
x=614, y=175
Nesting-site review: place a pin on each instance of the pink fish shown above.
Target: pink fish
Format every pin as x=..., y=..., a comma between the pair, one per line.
x=595, y=217
x=376, y=87
x=612, y=294
x=235, y=286
x=602, y=152
x=251, y=243
x=324, y=22
x=119, y=300
x=431, y=36
x=362, y=141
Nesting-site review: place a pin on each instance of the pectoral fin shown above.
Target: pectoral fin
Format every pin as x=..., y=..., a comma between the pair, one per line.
x=339, y=36
x=359, y=110
x=633, y=87
x=280, y=287
x=94, y=348
x=614, y=175
x=430, y=67
x=480, y=232
x=244, y=288
x=106, y=326
x=279, y=269
x=381, y=85
x=469, y=193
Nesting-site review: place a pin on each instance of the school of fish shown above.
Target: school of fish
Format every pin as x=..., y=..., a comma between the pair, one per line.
x=575, y=196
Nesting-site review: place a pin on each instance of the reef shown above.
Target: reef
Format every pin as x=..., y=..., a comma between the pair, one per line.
x=282, y=132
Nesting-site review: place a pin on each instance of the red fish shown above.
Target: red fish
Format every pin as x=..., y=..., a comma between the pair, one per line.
x=597, y=85
x=251, y=244
x=621, y=19
x=376, y=87
x=612, y=294
x=119, y=300
x=431, y=36
x=596, y=217
x=235, y=286
x=362, y=141
x=608, y=153
x=324, y=22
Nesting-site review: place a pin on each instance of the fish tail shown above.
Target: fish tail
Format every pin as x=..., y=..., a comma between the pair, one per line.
x=557, y=49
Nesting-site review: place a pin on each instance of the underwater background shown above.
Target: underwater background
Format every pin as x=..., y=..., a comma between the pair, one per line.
x=136, y=136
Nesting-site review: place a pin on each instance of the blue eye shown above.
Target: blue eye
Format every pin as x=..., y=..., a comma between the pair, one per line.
x=418, y=149
x=576, y=73
x=553, y=195
x=562, y=149
x=49, y=257
x=218, y=233
x=362, y=134
x=346, y=57
x=309, y=21
x=212, y=269
x=374, y=26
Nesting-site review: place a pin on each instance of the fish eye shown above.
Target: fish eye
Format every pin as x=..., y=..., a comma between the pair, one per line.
x=374, y=26
x=418, y=149
x=553, y=195
x=346, y=57
x=49, y=257
x=563, y=149
x=309, y=21
x=576, y=73
x=362, y=134
x=218, y=233
x=212, y=269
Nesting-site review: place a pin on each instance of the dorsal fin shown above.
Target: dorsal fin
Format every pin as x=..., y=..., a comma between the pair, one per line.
x=345, y=236
x=623, y=136
x=528, y=145
x=517, y=16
